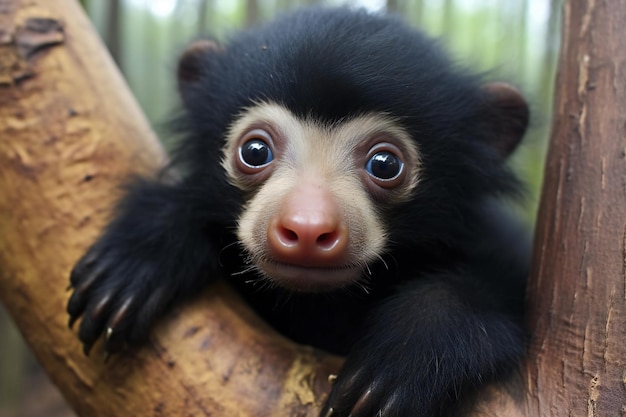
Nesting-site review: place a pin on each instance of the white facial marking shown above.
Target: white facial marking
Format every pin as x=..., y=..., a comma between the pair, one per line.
x=308, y=153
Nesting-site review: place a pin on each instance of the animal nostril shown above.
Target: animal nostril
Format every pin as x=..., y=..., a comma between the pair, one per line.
x=288, y=236
x=322, y=238
x=327, y=240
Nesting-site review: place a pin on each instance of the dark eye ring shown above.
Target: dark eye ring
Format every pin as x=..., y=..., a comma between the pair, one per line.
x=384, y=165
x=256, y=150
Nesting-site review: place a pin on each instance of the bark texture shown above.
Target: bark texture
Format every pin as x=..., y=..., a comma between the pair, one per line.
x=577, y=361
x=576, y=365
x=70, y=133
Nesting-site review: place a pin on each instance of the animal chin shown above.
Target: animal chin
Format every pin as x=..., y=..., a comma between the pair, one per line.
x=308, y=278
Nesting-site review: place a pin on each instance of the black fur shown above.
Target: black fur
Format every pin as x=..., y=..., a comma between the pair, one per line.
x=442, y=317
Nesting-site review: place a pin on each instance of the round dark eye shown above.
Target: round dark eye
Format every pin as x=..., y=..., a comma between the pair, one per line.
x=256, y=153
x=384, y=165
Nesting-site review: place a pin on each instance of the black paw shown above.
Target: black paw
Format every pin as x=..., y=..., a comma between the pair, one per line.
x=117, y=293
x=374, y=387
x=423, y=369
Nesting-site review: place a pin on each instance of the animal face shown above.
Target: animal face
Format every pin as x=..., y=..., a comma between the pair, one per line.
x=316, y=191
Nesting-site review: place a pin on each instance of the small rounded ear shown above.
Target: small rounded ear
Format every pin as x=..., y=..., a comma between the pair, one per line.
x=506, y=116
x=194, y=64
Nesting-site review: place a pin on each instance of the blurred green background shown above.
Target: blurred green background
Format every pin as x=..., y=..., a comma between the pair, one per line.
x=515, y=41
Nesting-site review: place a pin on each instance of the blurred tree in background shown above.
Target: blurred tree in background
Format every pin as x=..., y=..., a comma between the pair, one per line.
x=515, y=41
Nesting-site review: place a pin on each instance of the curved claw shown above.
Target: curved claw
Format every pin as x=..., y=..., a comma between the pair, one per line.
x=91, y=330
x=99, y=309
x=82, y=286
x=390, y=405
x=116, y=330
x=75, y=306
x=79, y=299
x=361, y=404
x=94, y=319
x=82, y=266
x=119, y=315
x=87, y=348
x=112, y=344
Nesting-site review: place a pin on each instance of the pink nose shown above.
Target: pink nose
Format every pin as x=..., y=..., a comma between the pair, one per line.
x=309, y=230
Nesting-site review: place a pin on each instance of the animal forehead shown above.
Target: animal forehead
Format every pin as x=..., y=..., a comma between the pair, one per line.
x=307, y=139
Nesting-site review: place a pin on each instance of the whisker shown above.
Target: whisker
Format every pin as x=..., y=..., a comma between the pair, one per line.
x=382, y=260
x=363, y=287
x=244, y=271
x=219, y=255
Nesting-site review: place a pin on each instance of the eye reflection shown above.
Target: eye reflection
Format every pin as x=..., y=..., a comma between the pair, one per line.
x=256, y=153
x=384, y=165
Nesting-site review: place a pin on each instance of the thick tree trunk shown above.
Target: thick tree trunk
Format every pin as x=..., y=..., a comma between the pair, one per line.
x=576, y=364
x=70, y=133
